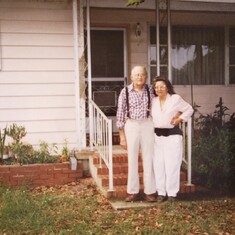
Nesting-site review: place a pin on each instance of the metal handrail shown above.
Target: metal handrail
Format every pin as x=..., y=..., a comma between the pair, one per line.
x=101, y=138
x=187, y=148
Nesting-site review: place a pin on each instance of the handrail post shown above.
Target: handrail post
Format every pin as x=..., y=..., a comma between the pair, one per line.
x=110, y=153
x=189, y=147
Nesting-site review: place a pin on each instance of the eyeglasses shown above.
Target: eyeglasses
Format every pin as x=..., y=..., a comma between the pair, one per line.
x=160, y=87
x=139, y=75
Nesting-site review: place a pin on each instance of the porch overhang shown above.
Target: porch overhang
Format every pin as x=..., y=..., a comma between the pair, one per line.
x=176, y=5
x=211, y=1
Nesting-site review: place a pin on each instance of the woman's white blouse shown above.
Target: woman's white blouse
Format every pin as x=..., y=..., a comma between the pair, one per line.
x=173, y=104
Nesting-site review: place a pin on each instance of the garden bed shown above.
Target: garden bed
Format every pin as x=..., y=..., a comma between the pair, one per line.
x=50, y=174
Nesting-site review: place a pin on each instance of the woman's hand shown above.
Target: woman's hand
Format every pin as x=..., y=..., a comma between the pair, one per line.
x=176, y=121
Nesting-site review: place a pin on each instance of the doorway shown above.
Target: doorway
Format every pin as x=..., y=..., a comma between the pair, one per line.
x=108, y=68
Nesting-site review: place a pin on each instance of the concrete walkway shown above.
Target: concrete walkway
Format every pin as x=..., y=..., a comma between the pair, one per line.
x=122, y=205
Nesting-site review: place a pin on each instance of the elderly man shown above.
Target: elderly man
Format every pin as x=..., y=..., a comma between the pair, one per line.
x=136, y=131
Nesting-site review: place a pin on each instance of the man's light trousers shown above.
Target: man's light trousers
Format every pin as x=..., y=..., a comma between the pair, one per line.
x=140, y=134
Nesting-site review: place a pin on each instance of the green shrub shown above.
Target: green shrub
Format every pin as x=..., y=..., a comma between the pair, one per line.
x=213, y=151
x=24, y=153
x=45, y=154
x=213, y=161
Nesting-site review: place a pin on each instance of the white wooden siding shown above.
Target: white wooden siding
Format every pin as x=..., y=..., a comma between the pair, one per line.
x=36, y=39
x=42, y=52
x=37, y=65
x=37, y=114
x=42, y=77
x=36, y=90
x=17, y=102
x=36, y=78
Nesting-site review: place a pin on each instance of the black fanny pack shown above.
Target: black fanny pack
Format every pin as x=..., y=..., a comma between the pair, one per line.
x=168, y=131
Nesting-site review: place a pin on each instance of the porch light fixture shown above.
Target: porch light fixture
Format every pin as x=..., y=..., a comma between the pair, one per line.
x=138, y=30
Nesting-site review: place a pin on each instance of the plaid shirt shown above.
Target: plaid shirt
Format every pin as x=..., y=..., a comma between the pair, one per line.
x=138, y=105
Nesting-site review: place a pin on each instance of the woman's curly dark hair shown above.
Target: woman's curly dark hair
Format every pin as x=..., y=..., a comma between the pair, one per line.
x=168, y=84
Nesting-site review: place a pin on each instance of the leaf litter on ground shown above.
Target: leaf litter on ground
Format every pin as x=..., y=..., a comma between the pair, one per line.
x=79, y=208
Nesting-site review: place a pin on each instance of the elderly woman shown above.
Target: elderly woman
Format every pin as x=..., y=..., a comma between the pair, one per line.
x=168, y=110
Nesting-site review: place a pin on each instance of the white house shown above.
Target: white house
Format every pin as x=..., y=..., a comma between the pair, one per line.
x=42, y=62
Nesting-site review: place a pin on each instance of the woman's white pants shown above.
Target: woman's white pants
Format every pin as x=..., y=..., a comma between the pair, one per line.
x=140, y=134
x=167, y=162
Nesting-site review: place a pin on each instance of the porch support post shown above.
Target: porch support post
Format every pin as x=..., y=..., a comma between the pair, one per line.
x=169, y=40
x=157, y=17
x=76, y=73
x=91, y=114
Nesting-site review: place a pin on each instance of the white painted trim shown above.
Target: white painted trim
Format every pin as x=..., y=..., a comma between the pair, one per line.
x=91, y=113
x=76, y=73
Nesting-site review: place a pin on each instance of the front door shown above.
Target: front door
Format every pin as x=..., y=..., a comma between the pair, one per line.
x=108, y=68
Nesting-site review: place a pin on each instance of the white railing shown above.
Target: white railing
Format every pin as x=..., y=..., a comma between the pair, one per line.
x=101, y=138
x=187, y=148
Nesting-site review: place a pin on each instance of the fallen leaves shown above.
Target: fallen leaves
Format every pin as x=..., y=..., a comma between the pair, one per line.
x=79, y=208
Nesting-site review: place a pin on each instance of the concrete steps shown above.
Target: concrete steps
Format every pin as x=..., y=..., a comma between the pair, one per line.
x=100, y=172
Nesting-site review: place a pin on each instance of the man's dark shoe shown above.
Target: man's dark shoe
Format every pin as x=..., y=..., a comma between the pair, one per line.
x=132, y=198
x=150, y=198
x=160, y=198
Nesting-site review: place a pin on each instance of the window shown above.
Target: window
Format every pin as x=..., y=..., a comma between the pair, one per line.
x=232, y=56
x=163, y=52
x=197, y=54
x=107, y=57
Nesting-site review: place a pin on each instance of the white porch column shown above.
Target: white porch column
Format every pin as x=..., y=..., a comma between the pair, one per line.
x=157, y=12
x=78, y=36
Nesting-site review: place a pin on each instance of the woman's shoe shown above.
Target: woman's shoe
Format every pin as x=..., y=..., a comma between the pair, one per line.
x=171, y=199
x=160, y=198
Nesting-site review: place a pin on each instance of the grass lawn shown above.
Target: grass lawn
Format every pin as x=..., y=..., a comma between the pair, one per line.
x=80, y=209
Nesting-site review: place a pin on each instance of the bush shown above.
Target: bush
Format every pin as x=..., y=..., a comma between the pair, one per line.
x=213, y=151
x=213, y=161
x=24, y=153
x=28, y=155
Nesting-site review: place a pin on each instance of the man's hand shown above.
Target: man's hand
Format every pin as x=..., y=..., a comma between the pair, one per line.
x=122, y=136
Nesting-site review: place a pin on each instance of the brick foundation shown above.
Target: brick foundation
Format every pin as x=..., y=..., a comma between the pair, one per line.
x=40, y=174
